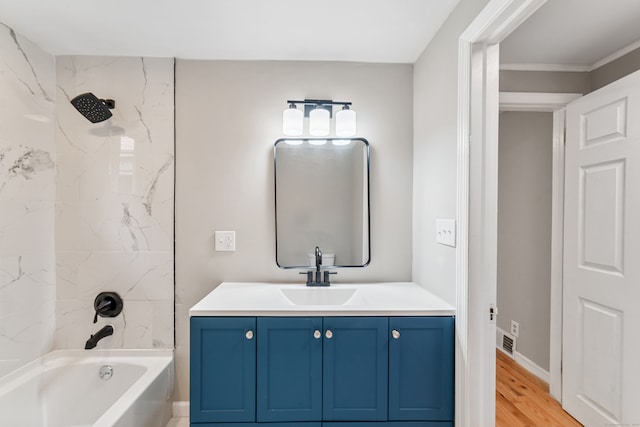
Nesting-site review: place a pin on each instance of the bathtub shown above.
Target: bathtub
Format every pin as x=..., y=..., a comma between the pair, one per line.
x=97, y=388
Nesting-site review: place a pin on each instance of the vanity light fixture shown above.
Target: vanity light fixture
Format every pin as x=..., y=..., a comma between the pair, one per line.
x=346, y=122
x=319, y=122
x=319, y=112
x=292, y=120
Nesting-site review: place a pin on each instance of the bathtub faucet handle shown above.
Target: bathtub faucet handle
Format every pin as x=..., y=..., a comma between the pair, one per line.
x=102, y=306
x=107, y=304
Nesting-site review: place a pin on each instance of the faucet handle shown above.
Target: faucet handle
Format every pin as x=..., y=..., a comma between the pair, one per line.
x=326, y=275
x=309, y=275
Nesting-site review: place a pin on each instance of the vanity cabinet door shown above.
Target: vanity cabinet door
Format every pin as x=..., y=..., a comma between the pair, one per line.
x=289, y=369
x=355, y=368
x=421, y=368
x=223, y=369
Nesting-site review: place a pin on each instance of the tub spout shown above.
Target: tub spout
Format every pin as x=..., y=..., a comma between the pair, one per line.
x=93, y=340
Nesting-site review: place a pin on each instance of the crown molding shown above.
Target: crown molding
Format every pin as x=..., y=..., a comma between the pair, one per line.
x=618, y=54
x=533, y=66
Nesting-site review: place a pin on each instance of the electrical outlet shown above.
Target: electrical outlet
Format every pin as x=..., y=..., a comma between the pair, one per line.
x=225, y=241
x=515, y=328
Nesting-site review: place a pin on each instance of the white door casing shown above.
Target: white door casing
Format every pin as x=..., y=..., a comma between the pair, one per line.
x=601, y=295
x=476, y=217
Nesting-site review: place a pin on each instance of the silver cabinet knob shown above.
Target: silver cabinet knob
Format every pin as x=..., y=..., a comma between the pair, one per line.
x=395, y=334
x=328, y=334
x=317, y=334
x=249, y=335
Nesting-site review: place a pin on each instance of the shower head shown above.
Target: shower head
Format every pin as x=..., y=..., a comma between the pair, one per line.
x=94, y=109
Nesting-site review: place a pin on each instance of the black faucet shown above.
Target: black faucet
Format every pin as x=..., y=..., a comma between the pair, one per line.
x=93, y=340
x=320, y=280
x=318, y=263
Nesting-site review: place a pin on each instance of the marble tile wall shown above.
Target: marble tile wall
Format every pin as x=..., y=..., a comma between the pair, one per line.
x=27, y=200
x=114, y=201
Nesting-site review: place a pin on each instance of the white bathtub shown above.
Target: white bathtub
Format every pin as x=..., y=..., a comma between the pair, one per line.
x=64, y=389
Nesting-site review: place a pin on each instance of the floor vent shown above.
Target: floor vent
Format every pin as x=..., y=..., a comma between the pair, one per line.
x=506, y=342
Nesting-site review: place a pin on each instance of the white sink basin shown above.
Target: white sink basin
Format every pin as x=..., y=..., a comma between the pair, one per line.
x=343, y=299
x=318, y=296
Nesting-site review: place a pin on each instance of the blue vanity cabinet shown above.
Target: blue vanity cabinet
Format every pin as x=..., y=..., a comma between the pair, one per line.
x=322, y=371
x=421, y=368
x=223, y=369
x=355, y=377
x=289, y=379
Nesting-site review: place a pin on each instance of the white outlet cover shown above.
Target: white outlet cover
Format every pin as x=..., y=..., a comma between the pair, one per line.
x=225, y=241
x=446, y=232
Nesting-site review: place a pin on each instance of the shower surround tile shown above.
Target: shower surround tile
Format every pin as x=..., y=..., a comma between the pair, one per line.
x=114, y=200
x=27, y=197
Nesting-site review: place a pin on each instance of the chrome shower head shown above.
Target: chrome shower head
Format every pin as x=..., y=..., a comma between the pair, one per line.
x=94, y=109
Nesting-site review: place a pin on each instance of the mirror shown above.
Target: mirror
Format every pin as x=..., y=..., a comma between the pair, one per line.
x=322, y=199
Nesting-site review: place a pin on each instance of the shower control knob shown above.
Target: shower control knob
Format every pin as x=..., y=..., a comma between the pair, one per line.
x=249, y=335
x=395, y=334
x=317, y=334
x=328, y=334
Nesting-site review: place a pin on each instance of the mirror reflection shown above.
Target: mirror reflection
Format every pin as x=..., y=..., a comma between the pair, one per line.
x=322, y=200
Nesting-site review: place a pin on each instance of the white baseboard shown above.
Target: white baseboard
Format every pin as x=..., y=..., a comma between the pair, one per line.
x=532, y=367
x=523, y=361
x=180, y=409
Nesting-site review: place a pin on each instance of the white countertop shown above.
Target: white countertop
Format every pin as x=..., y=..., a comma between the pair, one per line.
x=281, y=299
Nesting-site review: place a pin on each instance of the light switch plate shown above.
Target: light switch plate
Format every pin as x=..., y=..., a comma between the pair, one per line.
x=446, y=232
x=225, y=241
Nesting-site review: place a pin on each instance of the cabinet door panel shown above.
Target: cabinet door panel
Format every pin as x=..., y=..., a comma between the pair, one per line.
x=355, y=369
x=289, y=369
x=223, y=369
x=421, y=378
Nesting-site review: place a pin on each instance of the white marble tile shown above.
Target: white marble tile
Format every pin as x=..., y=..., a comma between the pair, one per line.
x=27, y=195
x=115, y=179
x=27, y=304
x=142, y=323
x=146, y=276
x=133, y=328
x=28, y=80
x=26, y=227
x=38, y=270
x=74, y=324
x=163, y=324
x=114, y=224
x=27, y=110
x=114, y=210
x=26, y=173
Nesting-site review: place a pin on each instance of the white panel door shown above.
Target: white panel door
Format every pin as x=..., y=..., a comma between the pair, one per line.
x=601, y=294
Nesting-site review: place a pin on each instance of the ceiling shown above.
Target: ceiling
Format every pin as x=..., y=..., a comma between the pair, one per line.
x=573, y=34
x=395, y=31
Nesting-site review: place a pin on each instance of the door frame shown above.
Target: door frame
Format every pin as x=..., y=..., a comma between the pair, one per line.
x=476, y=206
x=553, y=103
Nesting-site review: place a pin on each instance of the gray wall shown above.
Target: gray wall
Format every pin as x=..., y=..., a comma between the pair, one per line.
x=614, y=70
x=435, y=117
x=524, y=230
x=228, y=115
x=544, y=81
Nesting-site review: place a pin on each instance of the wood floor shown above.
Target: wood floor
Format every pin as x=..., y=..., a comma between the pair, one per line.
x=523, y=400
